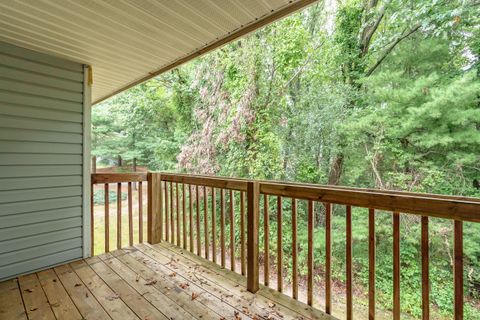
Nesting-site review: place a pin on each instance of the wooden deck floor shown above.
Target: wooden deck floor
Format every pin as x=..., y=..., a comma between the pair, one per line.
x=143, y=282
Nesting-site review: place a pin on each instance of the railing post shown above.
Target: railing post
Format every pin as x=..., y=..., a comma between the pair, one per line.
x=155, y=208
x=253, y=196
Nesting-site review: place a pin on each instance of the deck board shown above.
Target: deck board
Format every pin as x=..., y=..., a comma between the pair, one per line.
x=144, y=282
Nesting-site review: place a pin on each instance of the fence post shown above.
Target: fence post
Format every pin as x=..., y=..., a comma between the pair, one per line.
x=253, y=200
x=155, y=208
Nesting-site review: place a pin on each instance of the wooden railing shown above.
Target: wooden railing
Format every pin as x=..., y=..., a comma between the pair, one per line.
x=118, y=179
x=189, y=211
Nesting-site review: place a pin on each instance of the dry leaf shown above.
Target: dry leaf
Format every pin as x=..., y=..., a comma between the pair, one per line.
x=173, y=274
x=33, y=308
x=54, y=280
x=271, y=304
x=137, y=278
x=194, y=295
x=28, y=290
x=86, y=294
x=78, y=284
x=237, y=315
x=184, y=285
x=113, y=296
x=150, y=282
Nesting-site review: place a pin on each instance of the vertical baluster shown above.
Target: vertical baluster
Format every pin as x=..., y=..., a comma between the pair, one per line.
x=242, y=232
x=396, y=266
x=184, y=216
x=253, y=199
x=172, y=220
x=371, y=263
x=232, y=233
x=214, y=225
x=92, y=220
x=279, y=246
x=349, y=263
x=119, y=215
x=197, y=202
x=458, y=269
x=177, y=204
x=294, y=250
x=425, y=271
x=107, y=219
x=167, y=222
x=130, y=215
x=328, y=258
x=140, y=212
x=205, y=216
x=310, y=254
x=266, y=239
x=222, y=227
x=190, y=209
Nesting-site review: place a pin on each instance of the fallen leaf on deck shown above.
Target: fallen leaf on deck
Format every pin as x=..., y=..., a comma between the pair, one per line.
x=173, y=274
x=237, y=315
x=137, y=278
x=33, y=308
x=86, y=294
x=184, y=285
x=150, y=282
x=113, y=296
x=54, y=280
x=78, y=284
x=194, y=295
x=28, y=290
x=271, y=304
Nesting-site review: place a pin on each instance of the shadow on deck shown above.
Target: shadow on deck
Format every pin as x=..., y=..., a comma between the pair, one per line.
x=144, y=282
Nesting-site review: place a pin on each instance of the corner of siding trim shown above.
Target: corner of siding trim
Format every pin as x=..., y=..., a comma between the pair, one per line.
x=87, y=103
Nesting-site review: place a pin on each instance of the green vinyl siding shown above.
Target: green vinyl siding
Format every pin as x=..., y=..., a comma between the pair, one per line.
x=41, y=160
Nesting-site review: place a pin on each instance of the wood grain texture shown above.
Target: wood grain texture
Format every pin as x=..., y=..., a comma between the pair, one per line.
x=107, y=218
x=294, y=251
x=119, y=215
x=425, y=270
x=328, y=258
x=348, y=259
x=253, y=203
x=130, y=214
x=371, y=264
x=396, y=265
x=310, y=227
x=118, y=177
x=266, y=241
x=243, y=265
x=222, y=228
x=279, y=245
x=458, y=269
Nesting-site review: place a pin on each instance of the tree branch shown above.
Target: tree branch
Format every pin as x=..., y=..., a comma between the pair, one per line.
x=369, y=31
x=391, y=47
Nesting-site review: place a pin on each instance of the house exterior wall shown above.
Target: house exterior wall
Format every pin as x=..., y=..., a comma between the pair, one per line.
x=42, y=150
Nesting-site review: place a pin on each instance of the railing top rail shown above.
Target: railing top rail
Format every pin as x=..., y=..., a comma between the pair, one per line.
x=118, y=177
x=441, y=206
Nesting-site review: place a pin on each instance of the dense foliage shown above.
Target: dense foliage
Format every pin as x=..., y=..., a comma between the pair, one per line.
x=381, y=94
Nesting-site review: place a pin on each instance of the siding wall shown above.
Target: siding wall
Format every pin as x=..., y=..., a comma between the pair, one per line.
x=41, y=143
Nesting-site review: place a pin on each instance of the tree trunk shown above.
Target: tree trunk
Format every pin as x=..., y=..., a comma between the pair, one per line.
x=336, y=170
x=120, y=162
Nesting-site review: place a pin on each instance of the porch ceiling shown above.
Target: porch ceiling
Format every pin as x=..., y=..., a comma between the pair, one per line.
x=130, y=41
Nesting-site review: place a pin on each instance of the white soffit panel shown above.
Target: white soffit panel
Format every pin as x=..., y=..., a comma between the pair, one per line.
x=129, y=41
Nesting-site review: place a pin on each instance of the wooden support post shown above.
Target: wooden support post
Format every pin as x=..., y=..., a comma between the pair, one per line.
x=253, y=195
x=94, y=164
x=155, y=208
